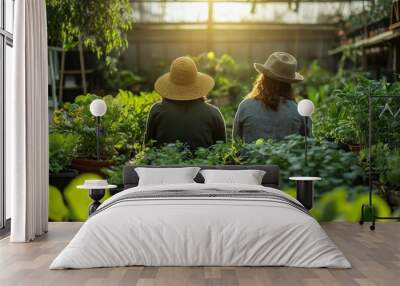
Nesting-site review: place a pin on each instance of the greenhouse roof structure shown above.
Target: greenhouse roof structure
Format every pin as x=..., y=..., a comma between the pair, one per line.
x=259, y=11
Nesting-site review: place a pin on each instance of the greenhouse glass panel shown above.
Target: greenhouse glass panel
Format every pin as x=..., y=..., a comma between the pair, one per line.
x=308, y=13
x=170, y=12
x=236, y=12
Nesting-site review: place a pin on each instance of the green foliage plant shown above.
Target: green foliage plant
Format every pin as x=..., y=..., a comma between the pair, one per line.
x=100, y=26
x=124, y=123
x=317, y=83
x=232, y=80
x=343, y=116
x=169, y=154
x=325, y=159
x=337, y=167
x=385, y=164
x=219, y=154
x=122, y=79
x=62, y=149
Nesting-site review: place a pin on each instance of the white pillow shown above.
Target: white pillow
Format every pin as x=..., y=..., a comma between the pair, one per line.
x=247, y=177
x=166, y=176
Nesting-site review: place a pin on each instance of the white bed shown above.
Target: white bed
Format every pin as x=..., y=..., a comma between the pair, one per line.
x=202, y=231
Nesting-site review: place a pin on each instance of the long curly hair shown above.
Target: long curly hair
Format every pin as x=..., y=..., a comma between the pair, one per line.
x=271, y=92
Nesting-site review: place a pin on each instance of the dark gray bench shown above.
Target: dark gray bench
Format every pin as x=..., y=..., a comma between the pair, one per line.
x=270, y=179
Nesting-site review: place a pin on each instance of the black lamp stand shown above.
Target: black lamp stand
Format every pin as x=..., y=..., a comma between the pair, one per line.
x=99, y=132
x=305, y=141
x=96, y=195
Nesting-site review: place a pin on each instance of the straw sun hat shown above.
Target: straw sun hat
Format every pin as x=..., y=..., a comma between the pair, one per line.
x=280, y=66
x=184, y=82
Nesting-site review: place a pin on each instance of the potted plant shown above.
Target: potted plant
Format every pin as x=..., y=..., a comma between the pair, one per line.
x=75, y=118
x=348, y=133
x=62, y=150
x=124, y=125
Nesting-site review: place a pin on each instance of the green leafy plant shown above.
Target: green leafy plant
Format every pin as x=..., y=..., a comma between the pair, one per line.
x=124, y=123
x=385, y=171
x=219, y=154
x=122, y=79
x=392, y=176
x=100, y=26
x=126, y=120
x=62, y=149
x=343, y=116
x=385, y=163
x=232, y=80
x=75, y=118
x=338, y=168
x=325, y=159
x=317, y=83
x=169, y=154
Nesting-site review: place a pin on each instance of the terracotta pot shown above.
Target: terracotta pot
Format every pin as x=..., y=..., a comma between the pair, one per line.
x=87, y=165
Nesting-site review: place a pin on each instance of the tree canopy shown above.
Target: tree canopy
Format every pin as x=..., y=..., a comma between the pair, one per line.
x=100, y=26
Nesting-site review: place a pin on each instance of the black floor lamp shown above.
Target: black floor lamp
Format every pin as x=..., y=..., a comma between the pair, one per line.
x=98, y=108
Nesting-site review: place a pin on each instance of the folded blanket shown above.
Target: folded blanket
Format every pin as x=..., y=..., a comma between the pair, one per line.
x=206, y=194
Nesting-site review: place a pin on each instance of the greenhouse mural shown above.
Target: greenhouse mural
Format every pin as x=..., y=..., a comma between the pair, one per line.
x=337, y=149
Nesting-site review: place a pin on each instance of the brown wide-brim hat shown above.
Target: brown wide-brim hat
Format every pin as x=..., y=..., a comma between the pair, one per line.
x=280, y=66
x=184, y=82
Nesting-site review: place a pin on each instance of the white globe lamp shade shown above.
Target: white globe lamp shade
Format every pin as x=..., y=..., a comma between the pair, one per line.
x=305, y=107
x=98, y=107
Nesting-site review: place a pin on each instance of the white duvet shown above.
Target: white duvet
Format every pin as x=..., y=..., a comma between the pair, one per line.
x=200, y=231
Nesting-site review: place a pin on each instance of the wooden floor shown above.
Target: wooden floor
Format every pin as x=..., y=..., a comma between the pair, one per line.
x=375, y=257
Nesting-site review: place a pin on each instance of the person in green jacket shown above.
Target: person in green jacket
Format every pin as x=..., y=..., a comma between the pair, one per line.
x=270, y=110
x=183, y=114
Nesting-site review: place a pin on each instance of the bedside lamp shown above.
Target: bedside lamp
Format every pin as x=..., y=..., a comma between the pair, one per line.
x=98, y=108
x=305, y=108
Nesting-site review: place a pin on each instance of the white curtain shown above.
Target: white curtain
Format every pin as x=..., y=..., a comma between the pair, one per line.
x=27, y=124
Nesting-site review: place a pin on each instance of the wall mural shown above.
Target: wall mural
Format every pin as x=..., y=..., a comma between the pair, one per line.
x=337, y=150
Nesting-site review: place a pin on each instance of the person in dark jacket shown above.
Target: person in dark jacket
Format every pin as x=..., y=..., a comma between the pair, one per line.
x=270, y=110
x=183, y=114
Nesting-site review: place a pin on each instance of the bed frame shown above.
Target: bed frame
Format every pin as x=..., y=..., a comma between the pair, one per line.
x=270, y=179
